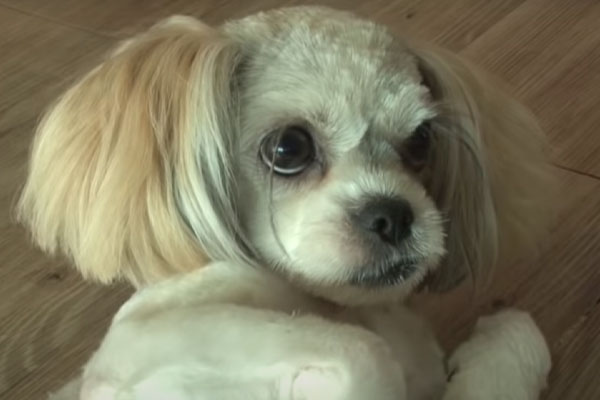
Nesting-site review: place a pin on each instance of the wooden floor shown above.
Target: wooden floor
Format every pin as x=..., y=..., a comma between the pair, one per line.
x=548, y=49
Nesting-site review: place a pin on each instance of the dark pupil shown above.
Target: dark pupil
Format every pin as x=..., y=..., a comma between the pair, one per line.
x=290, y=151
x=416, y=147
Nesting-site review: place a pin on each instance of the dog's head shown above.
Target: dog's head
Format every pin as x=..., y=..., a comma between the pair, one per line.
x=303, y=139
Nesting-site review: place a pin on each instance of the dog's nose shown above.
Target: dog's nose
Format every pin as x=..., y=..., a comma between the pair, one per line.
x=390, y=219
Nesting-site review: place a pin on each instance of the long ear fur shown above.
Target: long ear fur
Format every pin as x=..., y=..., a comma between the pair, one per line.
x=130, y=171
x=490, y=172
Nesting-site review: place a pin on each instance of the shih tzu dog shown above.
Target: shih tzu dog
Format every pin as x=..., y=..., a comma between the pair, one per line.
x=311, y=161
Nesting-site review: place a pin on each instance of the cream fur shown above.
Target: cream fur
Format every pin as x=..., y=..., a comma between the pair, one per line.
x=233, y=332
x=118, y=152
x=507, y=355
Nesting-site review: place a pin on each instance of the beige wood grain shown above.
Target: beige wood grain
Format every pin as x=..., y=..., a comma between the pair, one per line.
x=109, y=17
x=37, y=57
x=549, y=50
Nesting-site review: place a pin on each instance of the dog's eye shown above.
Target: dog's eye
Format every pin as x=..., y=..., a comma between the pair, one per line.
x=415, y=149
x=289, y=151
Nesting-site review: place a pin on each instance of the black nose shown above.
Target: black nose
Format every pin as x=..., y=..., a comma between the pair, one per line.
x=390, y=219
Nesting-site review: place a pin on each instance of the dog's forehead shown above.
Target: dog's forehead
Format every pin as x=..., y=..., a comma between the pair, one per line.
x=331, y=69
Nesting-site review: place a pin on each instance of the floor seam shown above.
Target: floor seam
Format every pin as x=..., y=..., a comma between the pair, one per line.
x=575, y=171
x=58, y=22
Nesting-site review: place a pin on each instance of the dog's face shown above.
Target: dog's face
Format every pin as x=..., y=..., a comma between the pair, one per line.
x=334, y=143
x=303, y=139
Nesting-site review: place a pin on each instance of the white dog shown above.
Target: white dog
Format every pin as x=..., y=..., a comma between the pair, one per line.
x=303, y=142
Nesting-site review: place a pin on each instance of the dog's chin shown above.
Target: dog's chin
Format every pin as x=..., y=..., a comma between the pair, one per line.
x=386, y=283
x=393, y=273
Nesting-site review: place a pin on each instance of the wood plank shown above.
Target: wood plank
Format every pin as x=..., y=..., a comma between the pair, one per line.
x=577, y=351
x=110, y=17
x=549, y=50
x=454, y=24
x=37, y=58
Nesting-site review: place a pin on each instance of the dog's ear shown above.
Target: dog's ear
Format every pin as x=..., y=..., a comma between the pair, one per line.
x=130, y=172
x=489, y=174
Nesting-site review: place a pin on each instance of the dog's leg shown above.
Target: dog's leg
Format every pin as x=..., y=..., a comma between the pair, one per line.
x=506, y=358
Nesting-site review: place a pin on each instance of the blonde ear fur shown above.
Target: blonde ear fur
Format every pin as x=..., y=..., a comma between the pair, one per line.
x=117, y=181
x=491, y=174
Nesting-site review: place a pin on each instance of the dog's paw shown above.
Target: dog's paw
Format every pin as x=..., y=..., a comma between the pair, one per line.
x=506, y=357
x=329, y=382
x=317, y=382
x=366, y=370
x=514, y=332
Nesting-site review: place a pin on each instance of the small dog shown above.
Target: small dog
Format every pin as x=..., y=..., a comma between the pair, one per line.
x=305, y=140
x=311, y=161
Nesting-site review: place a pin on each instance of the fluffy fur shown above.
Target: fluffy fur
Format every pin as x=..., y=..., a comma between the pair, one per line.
x=506, y=358
x=148, y=166
x=379, y=352
x=233, y=332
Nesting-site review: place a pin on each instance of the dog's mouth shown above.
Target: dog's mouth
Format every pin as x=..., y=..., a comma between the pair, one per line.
x=386, y=274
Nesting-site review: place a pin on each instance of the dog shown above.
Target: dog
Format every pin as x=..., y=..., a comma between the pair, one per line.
x=307, y=144
x=303, y=139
